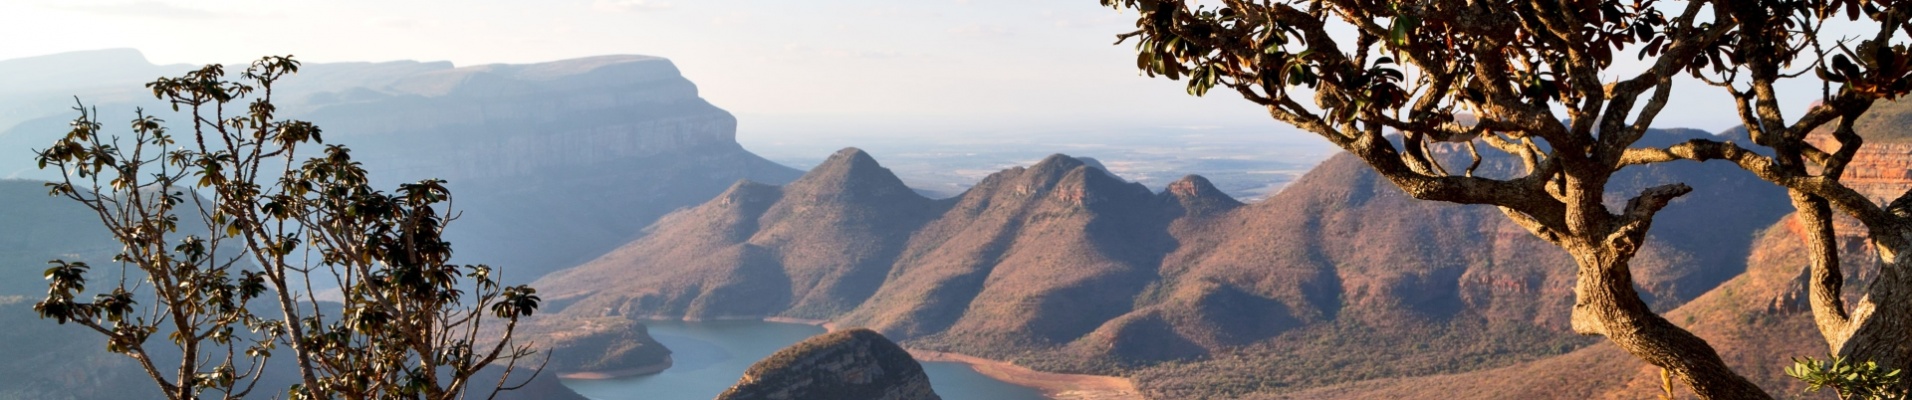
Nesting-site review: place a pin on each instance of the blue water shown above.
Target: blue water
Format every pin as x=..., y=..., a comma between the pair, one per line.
x=709, y=356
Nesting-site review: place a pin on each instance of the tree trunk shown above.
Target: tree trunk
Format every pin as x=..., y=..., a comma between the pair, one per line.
x=1882, y=321
x=1606, y=304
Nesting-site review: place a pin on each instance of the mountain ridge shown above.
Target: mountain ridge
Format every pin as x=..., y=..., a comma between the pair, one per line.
x=1062, y=267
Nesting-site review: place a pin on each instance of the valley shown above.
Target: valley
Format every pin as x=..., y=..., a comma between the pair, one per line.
x=1158, y=262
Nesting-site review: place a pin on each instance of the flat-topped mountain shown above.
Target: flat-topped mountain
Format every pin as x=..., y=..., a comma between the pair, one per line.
x=1062, y=266
x=847, y=364
x=552, y=163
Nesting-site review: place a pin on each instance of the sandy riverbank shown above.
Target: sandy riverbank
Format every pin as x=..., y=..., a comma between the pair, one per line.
x=827, y=325
x=620, y=373
x=1054, y=385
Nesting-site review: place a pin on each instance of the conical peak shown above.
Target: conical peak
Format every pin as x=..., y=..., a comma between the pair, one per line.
x=1193, y=186
x=1085, y=184
x=849, y=157
x=1053, y=167
x=845, y=167
x=850, y=174
x=1058, y=161
x=1198, y=196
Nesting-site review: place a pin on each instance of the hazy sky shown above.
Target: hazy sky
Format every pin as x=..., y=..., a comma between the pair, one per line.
x=809, y=66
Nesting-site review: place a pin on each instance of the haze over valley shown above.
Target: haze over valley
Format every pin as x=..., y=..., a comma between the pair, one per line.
x=959, y=200
x=610, y=175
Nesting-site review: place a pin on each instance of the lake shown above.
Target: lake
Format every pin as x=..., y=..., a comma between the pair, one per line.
x=709, y=356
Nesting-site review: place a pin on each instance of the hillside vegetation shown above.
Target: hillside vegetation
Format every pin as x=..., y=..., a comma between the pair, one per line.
x=1062, y=266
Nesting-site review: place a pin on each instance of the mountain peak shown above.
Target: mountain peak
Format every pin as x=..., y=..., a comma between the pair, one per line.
x=850, y=173
x=851, y=157
x=1058, y=161
x=1053, y=168
x=1198, y=196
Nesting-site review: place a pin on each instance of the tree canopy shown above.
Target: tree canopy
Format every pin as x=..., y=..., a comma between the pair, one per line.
x=1551, y=82
x=265, y=227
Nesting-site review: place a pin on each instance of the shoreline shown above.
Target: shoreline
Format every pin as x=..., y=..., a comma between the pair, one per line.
x=620, y=373
x=827, y=325
x=1053, y=385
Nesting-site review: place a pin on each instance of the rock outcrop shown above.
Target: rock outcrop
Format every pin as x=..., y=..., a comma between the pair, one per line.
x=847, y=364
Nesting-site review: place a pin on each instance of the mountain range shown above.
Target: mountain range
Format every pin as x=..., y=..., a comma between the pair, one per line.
x=1337, y=280
x=1338, y=286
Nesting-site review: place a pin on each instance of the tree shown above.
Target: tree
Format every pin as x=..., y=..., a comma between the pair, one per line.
x=1539, y=80
x=410, y=324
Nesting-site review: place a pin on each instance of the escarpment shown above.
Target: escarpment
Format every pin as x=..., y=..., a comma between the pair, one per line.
x=551, y=164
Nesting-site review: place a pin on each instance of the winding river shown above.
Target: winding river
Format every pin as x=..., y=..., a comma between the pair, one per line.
x=709, y=356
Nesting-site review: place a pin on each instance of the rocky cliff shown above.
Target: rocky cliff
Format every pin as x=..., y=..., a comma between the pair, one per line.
x=847, y=364
x=552, y=163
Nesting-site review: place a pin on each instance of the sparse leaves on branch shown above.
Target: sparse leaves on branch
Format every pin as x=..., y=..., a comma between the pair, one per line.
x=231, y=215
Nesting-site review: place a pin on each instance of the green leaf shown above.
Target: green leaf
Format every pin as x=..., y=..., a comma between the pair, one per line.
x=1398, y=32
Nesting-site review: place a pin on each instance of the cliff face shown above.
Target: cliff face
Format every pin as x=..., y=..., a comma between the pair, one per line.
x=1881, y=170
x=501, y=121
x=551, y=163
x=848, y=364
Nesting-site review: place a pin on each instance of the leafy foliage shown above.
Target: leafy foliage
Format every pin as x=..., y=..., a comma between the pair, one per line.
x=1501, y=73
x=409, y=325
x=1849, y=379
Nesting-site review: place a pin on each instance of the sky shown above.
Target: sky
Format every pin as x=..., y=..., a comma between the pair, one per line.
x=810, y=67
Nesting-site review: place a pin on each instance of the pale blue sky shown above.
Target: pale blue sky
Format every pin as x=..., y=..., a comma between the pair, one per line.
x=784, y=66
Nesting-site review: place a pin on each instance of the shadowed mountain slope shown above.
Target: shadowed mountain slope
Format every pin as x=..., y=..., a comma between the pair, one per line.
x=1061, y=266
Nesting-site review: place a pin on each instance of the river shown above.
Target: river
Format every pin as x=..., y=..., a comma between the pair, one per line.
x=710, y=356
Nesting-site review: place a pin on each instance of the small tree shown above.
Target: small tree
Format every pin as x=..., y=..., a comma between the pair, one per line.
x=1500, y=73
x=410, y=324
x=1849, y=381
